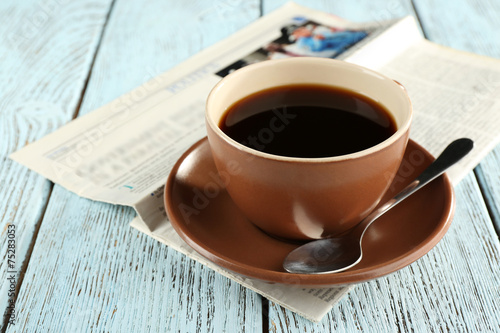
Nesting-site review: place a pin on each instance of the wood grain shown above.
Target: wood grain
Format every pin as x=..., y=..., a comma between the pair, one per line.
x=89, y=270
x=468, y=25
x=45, y=54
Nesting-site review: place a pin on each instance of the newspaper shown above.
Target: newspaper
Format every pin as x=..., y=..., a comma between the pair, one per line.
x=122, y=152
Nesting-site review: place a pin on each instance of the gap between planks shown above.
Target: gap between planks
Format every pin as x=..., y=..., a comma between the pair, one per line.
x=488, y=199
x=264, y=301
x=27, y=258
x=417, y=16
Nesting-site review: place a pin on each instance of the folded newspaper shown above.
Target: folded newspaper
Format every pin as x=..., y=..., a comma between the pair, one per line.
x=122, y=152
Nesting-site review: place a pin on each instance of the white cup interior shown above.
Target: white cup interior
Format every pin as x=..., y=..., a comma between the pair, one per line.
x=304, y=70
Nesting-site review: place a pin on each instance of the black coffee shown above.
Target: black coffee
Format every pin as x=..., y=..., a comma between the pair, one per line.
x=308, y=121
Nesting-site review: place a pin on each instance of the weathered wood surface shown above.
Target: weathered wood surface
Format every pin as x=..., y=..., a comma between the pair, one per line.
x=468, y=25
x=45, y=54
x=90, y=272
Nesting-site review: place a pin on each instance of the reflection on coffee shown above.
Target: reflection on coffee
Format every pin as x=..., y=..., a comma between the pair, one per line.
x=308, y=120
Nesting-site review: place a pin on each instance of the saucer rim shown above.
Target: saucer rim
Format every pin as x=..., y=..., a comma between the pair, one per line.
x=313, y=280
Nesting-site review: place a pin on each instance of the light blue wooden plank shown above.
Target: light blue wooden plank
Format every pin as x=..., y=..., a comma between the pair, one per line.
x=46, y=49
x=468, y=25
x=441, y=292
x=144, y=40
x=89, y=270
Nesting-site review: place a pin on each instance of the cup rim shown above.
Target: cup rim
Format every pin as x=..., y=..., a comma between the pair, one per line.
x=365, y=152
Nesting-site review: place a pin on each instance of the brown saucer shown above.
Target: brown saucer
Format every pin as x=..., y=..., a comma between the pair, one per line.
x=204, y=216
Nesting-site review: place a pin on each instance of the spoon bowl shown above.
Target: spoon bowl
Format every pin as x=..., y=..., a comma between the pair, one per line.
x=325, y=256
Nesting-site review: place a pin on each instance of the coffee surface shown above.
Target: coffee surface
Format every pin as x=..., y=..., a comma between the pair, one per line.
x=308, y=121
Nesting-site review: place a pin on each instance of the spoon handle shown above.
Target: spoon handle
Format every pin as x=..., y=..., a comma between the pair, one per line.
x=451, y=155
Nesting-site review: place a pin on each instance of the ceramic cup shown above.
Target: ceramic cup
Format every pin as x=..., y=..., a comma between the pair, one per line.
x=307, y=198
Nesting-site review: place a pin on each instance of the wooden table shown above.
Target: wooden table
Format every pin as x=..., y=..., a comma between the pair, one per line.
x=80, y=267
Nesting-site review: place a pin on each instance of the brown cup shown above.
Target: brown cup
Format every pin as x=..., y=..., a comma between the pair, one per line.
x=307, y=198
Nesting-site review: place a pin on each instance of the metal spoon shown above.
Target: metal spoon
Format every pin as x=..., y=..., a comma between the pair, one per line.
x=332, y=255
